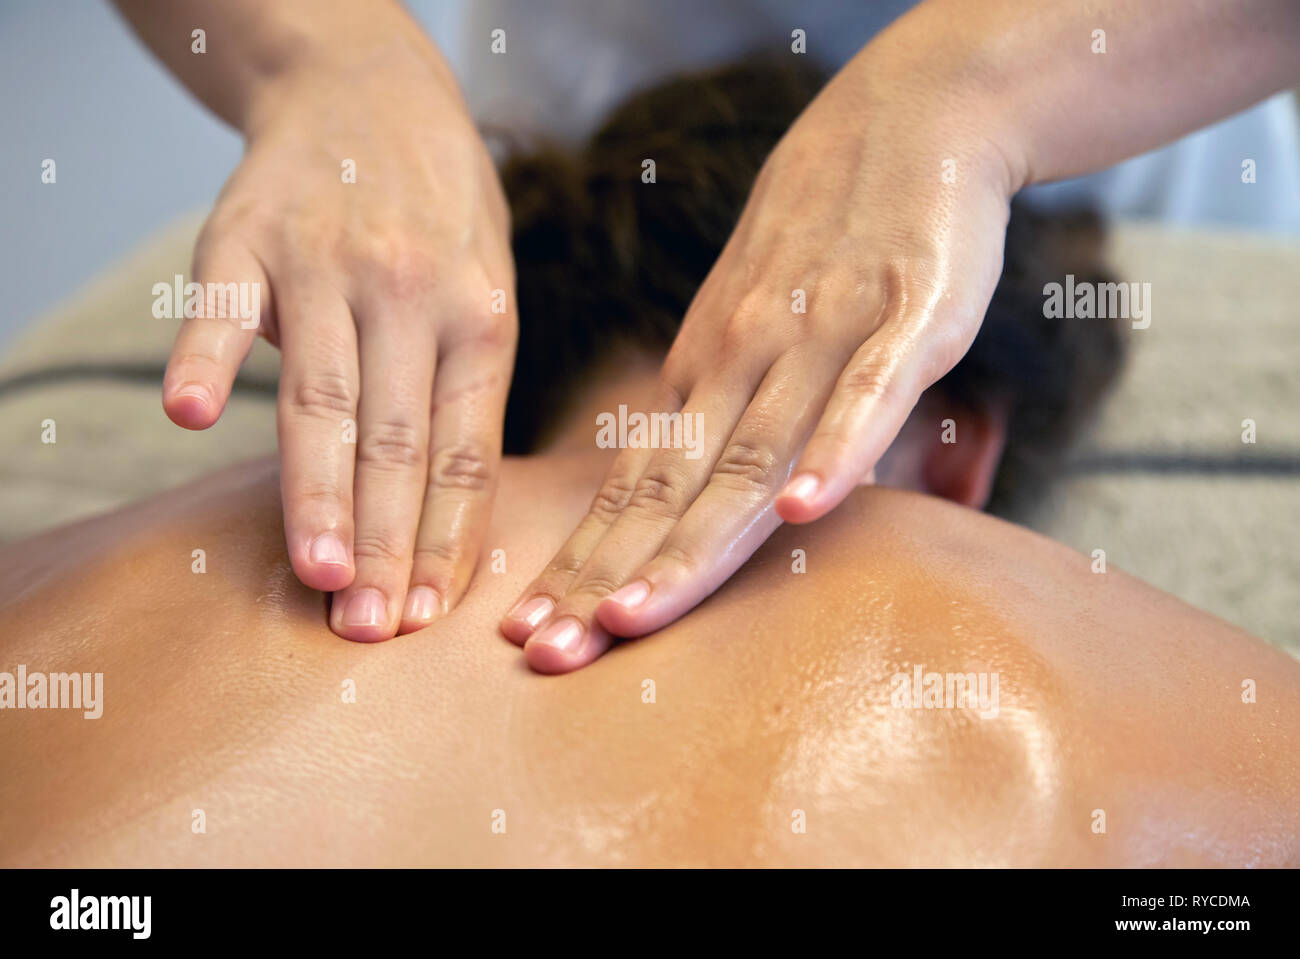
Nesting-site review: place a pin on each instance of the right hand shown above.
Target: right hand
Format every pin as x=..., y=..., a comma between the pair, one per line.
x=385, y=297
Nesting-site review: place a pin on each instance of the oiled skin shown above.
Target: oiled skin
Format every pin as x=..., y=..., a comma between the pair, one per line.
x=223, y=692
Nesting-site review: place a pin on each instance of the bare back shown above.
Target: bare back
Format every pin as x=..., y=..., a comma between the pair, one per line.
x=770, y=726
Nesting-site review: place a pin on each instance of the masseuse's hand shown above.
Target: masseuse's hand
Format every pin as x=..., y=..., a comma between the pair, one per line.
x=858, y=275
x=392, y=301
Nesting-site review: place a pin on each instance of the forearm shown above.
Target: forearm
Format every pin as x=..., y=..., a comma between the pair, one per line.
x=251, y=43
x=1058, y=107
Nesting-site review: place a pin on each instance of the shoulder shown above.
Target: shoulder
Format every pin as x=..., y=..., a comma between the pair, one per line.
x=952, y=689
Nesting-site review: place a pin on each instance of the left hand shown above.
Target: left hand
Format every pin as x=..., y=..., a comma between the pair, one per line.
x=895, y=262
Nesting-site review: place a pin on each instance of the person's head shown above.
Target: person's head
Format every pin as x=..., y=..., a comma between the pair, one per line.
x=605, y=261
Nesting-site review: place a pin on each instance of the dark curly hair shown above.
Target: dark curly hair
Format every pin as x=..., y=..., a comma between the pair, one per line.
x=602, y=261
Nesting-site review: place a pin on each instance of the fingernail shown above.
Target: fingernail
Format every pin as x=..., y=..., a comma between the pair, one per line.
x=421, y=604
x=632, y=595
x=533, y=611
x=365, y=608
x=328, y=548
x=802, y=487
x=564, y=635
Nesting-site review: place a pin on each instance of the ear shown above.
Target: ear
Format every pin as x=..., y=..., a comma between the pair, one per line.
x=962, y=455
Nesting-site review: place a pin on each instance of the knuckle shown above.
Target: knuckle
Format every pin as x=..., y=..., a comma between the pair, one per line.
x=494, y=330
x=438, y=553
x=461, y=467
x=378, y=546
x=676, y=376
x=595, y=585
x=749, y=466
x=658, y=491
x=679, y=555
x=405, y=270
x=218, y=234
x=743, y=326
x=613, y=495
x=192, y=359
x=945, y=345
x=671, y=390
x=909, y=278
x=563, y=567
x=394, y=443
x=873, y=378
x=326, y=495
x=483, y=330
x=488, y=311
x=323, y=395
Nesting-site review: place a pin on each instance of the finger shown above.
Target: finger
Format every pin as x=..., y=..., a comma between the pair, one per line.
x=210, y=346
x=734, y=513
x=873, y=397
x=536, y=603
x=675, y=475
x=469, y=402
x=392, y=456
x=316, y=420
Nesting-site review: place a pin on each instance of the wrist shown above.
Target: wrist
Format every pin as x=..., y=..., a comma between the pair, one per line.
x=390, y=58
x=954, y=90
